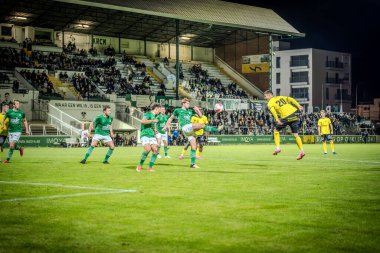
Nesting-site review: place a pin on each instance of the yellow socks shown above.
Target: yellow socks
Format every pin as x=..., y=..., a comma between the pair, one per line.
x=324, y=147
x=299, y=142
x=276, y=136
x=332, y=146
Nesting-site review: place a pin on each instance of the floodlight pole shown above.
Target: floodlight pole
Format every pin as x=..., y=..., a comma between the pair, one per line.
x=177, y=58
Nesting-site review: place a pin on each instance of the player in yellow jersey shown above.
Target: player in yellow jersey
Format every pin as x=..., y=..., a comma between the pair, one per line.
x=325, y=129
x=4, y=131
x=284, y=111
x=199, y=137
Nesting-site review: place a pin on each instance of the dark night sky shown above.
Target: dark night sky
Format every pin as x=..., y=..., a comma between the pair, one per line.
x=337, y=25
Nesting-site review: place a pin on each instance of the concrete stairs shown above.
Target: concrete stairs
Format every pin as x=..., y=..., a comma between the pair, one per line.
x=65, y=89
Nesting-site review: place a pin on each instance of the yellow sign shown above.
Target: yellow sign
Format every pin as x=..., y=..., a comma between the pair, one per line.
x=255, y=68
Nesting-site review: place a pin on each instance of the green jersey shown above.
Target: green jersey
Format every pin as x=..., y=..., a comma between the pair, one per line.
x=162, y=119
x=147, y=129
x=102, y=125
x=15, y=120
x=184, y=116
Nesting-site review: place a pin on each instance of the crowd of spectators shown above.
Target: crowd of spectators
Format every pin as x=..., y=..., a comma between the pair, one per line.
x=201, y=86
x=41, y=82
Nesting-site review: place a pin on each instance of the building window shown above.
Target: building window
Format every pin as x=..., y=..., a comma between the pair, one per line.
x=299, y=60
x=327, y=93
x=300, y=93
x=278, y=61
x=299, y=77
x=278, y=92
x=278, y=78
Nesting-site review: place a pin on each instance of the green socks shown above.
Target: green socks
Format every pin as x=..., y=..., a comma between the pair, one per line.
x=88, y=153
x=166, y=150
x=10, y=153
x=158, y=150
x=211, y=129
x=192, y=156
x=143, y=157
x=152, y=160
x=109, y=153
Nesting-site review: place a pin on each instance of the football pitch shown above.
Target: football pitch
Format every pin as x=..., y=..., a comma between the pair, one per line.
x=242, y=199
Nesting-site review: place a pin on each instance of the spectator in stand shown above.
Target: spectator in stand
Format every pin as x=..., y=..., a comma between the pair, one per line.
x=16, y=86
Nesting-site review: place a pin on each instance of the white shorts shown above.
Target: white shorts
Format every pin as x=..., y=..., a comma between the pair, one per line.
x=146, y=140
x=188, y=130
x=163, y=137
x=102, y=138
x=13, y=137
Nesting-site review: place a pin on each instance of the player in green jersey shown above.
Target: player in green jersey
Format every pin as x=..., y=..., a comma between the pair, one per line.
x=148, y=136
x=184, y=115
x=162, y=136
x=16, y=119
x=103, y=132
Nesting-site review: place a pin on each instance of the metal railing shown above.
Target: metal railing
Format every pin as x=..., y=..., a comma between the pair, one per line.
x=63, y=121
x=62, y=126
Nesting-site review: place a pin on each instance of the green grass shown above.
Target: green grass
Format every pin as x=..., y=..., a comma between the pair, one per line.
x=242, y=199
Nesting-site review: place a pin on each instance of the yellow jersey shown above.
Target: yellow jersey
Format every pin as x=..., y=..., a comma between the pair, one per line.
x=282, y=106
x=324, y=124
x=197, y=120
x=6, y=123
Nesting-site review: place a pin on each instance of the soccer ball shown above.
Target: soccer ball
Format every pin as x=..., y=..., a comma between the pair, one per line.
x=218, y=107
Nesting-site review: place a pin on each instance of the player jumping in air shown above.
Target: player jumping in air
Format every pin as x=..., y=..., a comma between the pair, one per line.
x=148, y=137
x=284, y=111
x=184, y=115
x=325, y=129
x=16, y=119
x=103, y=132
x=162, y=136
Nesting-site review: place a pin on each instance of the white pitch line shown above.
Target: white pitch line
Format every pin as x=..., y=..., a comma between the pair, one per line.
x=336, y=159
x=66, y=195
x=64, y=186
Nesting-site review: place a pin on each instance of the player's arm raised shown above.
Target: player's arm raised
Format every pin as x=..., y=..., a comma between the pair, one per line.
x=167, y=125
x=197, y=111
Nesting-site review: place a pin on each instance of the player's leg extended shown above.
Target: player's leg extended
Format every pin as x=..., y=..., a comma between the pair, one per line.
x=193, y=145
x=89, y=150
x=111, y=146
x=153, y=157
x=145, y=153
x=205, y=127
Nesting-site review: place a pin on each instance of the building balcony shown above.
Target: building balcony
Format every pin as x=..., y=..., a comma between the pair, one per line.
x=334, y=81
x=300, y=63
x=334, y=64
x=302, y=80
